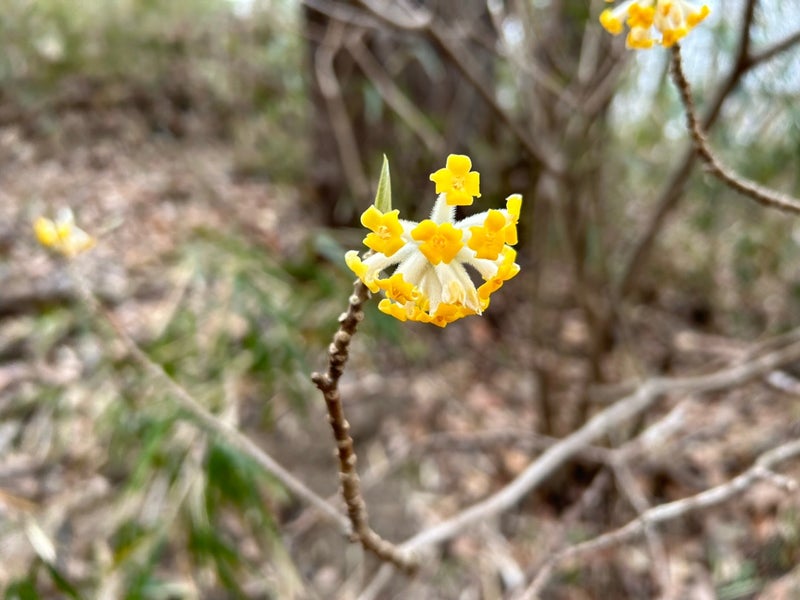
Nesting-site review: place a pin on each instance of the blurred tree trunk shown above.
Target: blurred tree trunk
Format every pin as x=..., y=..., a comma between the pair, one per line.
x=326, y=175
x=428, y=79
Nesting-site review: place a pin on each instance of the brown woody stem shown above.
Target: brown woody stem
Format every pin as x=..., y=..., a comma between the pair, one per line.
x=328, y=384
x=763, y=195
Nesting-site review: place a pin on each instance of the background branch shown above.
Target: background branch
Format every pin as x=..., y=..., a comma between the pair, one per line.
x=202, y=416
x=603, y=423
x=764, y=196
x=340, y=122
x=393, y=96
x=667, y=512
x=672, y=191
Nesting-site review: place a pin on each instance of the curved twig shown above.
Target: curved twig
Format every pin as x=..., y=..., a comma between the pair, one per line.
x=206, y=420
x=673, y=189
x=449, y=44
x=763, y=195
x=328, y=384
x=340, y=123
x=641, y=399
x=760, y=470
x=393, y=95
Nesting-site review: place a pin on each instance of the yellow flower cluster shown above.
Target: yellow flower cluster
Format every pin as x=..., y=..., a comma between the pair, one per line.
x=430, y=283
x=673, y=19
x=62, y=235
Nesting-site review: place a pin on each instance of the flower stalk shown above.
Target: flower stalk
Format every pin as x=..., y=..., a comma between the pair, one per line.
x=328, y=384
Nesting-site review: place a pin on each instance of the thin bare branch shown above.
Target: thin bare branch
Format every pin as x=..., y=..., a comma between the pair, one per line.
x=672, y=191
x=667, y=512
x=772, y=51
x=455, y=51
x=743, y=51
x=340, y=122
x=644, y=397
x=763, y=195
x=343, y=13
x=376, y=585
x=608, y=420
x=655, y=544
x=520, y=57
x=328, y=384
x=399, y=14
x=209, y=422
x=393, y=96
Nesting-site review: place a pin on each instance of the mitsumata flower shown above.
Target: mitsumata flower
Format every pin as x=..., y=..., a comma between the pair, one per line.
x=430, y=282
x=62, y=235
x=673, y=19
x=456, y=181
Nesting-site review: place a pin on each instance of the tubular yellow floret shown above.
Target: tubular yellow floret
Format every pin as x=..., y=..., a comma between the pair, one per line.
x=357, y=266
x=440, y=243
x=393, y=309
x=456, y=181
x=46, y=232
x=641, y=16
x=488, y=239
x=693, y=19
x=386, y=230
x=611, y=23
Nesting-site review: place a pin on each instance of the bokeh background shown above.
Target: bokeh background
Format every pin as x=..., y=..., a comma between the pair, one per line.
x=222, y=152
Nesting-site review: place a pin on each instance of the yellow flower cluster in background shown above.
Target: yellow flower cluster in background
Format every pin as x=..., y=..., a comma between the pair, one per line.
x=430, y=283
x=673, y=19
x=62, y=235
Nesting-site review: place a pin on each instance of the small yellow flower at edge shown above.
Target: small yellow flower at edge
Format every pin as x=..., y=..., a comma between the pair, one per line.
x=62, y=235
x=673, y=19
x=429, y=282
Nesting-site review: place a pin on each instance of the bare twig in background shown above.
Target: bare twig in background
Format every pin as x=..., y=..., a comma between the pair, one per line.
x=772, y=51
x=599, y=425
x=328, y=384
x=340, y=122
x=204, y=418
x=459, y=56
x=667, y=512
x=344, y=13
x=672, y=191
x=399, y=14
x=521, y=61
x=762, y=195
x=658, y=550
x=604, y=422
x=393, y=96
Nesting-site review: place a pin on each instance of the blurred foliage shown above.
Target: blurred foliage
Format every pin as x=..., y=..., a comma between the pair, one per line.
x=28, y=588
x=247, y=330
x=240, y=324
x=242, y=75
